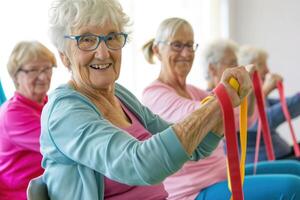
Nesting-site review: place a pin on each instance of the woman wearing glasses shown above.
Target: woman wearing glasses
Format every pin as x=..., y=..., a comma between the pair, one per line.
x=173, y=99
x=98, y=141
x=30, y=67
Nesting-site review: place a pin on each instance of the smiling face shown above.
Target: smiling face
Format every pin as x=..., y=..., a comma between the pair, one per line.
x=177, y=64
x=100, y=68
x=34, y=78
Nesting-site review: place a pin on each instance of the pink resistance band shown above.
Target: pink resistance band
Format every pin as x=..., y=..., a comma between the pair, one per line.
x=258, y=136
x=263, y=121
x=288, y=117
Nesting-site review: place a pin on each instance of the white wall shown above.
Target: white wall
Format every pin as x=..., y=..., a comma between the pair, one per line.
x=275, y=26
x=22, y=20
x=146, y=16
x=28, y=20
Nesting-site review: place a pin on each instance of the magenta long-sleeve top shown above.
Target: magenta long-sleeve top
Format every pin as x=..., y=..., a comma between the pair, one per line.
x=20, y=157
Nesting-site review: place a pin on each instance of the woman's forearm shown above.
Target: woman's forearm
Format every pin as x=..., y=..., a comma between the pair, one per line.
x=192, y=130
x=267, y=90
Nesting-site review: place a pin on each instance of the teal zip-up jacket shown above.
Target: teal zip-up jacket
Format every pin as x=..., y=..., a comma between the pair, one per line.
x=80, y=147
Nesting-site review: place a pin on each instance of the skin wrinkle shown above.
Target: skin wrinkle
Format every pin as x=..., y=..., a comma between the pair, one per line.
x=199, y=118
x=198, y=122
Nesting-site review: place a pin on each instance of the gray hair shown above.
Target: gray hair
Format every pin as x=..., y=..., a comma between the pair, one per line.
x=248, y=54
x=67, y=15
x=215, y=51
x=166, y=30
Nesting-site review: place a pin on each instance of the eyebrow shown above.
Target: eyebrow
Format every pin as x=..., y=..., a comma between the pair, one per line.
x=190, y=41
x=37, y=67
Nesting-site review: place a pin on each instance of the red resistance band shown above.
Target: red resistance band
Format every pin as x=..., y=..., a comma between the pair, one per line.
x=262, y=116
x=231, y=142
x=288, y=116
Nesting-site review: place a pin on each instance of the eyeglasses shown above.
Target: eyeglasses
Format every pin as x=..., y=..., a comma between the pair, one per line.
x=36, y=72
x=90, y=42
x=178, y=46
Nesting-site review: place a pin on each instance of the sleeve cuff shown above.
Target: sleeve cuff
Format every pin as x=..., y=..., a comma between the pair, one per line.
x=174, y=148
x=207, y=146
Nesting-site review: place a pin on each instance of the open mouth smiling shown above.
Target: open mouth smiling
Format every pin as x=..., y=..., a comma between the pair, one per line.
x=100, y=66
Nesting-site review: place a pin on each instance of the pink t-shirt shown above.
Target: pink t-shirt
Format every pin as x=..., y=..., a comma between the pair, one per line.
x=118, y=191
x=193, y=176
x=20, y=157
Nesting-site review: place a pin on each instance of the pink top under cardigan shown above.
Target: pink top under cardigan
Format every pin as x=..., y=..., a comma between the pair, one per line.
x=118, y=191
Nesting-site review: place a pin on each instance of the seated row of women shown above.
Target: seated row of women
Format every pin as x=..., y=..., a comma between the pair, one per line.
x=94, y=138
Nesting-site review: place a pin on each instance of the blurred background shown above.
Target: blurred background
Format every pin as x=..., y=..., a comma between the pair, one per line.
x=273, y=25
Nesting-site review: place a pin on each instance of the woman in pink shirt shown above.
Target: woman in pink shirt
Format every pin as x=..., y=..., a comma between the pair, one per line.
x=172, y=98
x=30, y=67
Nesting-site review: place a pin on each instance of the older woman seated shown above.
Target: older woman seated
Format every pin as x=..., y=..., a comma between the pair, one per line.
x=30, y=67
x=282, y=150
x=173, y=99
x=98, y=141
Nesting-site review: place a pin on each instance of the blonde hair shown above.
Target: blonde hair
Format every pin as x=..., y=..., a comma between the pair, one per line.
x=24, y=52
x=166, y=30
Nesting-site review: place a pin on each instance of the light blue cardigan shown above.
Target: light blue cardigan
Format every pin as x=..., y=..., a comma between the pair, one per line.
x=80, y=147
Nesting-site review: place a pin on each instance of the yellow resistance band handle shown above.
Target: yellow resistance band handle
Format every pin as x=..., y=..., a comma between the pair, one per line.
x=234, y=84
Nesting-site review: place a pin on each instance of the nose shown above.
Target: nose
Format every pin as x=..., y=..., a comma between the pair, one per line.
x=186, y=52
x=102, y=52
x=44, y=75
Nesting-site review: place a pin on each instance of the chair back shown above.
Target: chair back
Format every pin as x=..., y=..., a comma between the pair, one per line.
x=37, y=189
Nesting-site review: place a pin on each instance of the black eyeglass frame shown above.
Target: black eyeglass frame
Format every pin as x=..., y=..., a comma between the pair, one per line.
x=37, y=72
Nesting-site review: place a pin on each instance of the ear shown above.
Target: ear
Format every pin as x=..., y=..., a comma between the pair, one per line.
x=65, y=60
x=155, y=50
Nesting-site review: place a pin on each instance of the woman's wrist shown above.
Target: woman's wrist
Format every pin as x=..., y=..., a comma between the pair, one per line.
x=195, y=127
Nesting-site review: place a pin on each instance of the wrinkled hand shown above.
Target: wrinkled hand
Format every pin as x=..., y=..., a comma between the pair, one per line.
x=271, y=81
x=243, y=77
x=251, y=69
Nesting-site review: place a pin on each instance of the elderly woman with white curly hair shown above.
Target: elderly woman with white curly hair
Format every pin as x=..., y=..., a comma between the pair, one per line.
x=98, y=141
